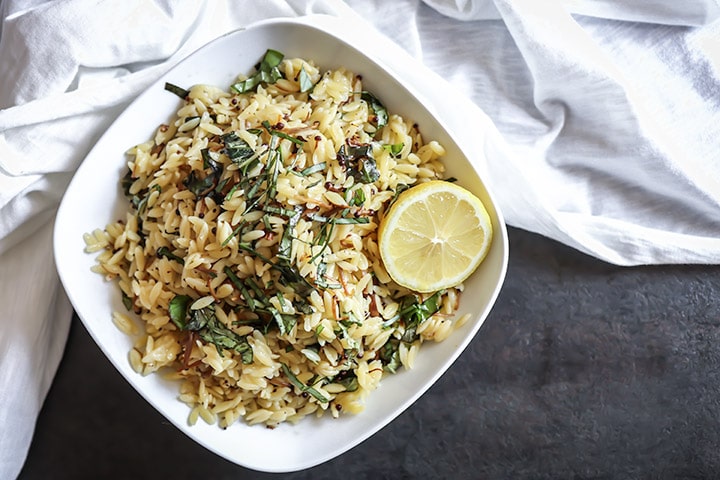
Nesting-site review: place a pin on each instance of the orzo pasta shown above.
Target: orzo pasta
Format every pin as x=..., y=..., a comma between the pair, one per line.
x=249, y=251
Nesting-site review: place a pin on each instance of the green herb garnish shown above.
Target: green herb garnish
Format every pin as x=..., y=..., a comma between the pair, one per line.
x=347, y=379
x=165, y=252
x=301, y=386
x=305, y=82
x=205, y=184
x=236, y=148
x=390, y=355
x=127, y=301
x=318, y=167
x=358, y=198
x=381, y=113
x=208, y=327
x=179, y=91
x=360, y=162
x=395, y=149
x=178, y=310
x=413, y=313
x=277, y=133
x=267, y=72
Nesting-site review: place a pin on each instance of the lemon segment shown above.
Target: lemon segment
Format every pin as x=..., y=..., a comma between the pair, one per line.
x=434, y=236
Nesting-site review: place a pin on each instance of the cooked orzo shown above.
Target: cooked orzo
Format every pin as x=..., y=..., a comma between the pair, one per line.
x=249, y=251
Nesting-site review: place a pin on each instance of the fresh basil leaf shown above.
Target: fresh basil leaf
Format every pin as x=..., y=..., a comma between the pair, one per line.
x=127, y=301
x=205, y=185
x=285, y=246
x=358, y=198
x=209, y=328
x=199, y=318
x=394, y=149
x=381, y=113
x=179, y=91
x=318, y=167
x=267, y=72
x=305, y=82
x=301, y=386
x=165, y=252
x=236, y=148
x=390, y=355
x=177, y=309
x=359, y=161
x=413, y=313
x=284, y=322
x=348, y=380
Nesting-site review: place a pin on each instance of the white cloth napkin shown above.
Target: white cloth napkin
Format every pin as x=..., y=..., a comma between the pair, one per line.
x=599, y=122
x=611, y=124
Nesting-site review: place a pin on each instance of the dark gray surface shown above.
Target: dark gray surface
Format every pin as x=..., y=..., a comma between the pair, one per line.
x=582, y=370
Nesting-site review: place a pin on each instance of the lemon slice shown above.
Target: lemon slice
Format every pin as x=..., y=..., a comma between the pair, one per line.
x=434, y=236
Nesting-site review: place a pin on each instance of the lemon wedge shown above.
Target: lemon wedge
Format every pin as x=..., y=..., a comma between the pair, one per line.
x=434, y=236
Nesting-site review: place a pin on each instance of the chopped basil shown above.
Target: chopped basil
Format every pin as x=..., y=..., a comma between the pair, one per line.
x=347, y=379
x=126, y=182
x=285, y=247
x=324, y=237
x=390, y=355
x=236, y=148
x=234, y=233
x=360, y=162
x=284, y=322
x=237, y=283
x=267, y=72
x=231, y=192
x=413, y=313
x=301, y=386
x=343, y=330
x=205, y=185
x=283, y=212
x=200, y=186
x=178, y=310
x=209, y=328
x=318, y=167
x=179, y=91
x=394, y=149
x=277, y=133
x=381, y=114
x=165, y=252
x=342, y=220
x=199, y=318
x=398, y=190
x=305, y=82
x=223, y=338
x=302, y=306
x=138, y=200
x=358, y=198
x=127, y=301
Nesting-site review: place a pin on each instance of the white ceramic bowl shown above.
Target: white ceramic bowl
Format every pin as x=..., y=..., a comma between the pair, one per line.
x=94, y=199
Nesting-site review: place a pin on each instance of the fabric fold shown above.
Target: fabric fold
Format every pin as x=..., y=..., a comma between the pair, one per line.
x=596, y=124
x=690, y=13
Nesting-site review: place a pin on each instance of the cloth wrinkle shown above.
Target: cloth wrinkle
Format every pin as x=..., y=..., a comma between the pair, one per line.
x=596, y=124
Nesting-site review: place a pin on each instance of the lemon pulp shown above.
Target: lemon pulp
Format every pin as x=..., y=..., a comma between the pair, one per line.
x=434, y=236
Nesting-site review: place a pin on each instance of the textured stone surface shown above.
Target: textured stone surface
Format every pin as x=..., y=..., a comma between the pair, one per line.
x=582, y=370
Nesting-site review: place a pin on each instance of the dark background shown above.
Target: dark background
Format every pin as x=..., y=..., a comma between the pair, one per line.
x=583, y=370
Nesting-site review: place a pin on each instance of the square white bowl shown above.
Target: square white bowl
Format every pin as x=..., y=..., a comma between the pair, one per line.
x=94, y=199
